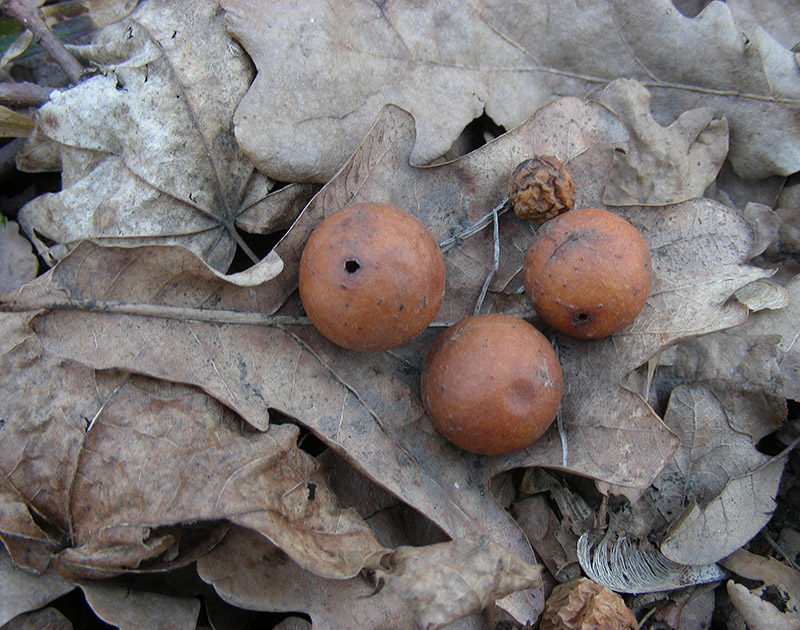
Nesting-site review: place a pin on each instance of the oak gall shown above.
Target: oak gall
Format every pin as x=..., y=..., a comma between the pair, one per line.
x=371, y=277
x=588, y=273
x=492, y=384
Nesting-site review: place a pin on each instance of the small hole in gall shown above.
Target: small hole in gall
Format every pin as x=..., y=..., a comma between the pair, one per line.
x=351, y=266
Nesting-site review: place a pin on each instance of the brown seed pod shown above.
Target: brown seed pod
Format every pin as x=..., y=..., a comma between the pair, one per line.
x=492, y=384
x=541, y=188
x=588, y=273
x=371, y=277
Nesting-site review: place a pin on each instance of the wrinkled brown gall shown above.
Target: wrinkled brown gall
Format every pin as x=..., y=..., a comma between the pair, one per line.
x=541, y=188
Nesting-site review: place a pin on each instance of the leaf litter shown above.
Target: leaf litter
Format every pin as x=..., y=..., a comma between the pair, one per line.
x=155, y=354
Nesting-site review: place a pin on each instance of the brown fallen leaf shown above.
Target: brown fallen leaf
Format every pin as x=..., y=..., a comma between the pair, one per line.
x=741, y=366
x=341, y=62
x=146, y=148
x=777, y=17
x=757, y=613
x=130, y=610
x=427, y=587
x=46, y=618
x=18, y=263
x=708, y=533
x=24, y=591
x=770, y=572
x=662, y=165
x=196, y=327
x=74, y=446
x=712, y=452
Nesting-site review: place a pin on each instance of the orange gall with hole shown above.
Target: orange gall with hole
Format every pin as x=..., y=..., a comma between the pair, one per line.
x=588, y=273
x=492, y=384
x=371, y=277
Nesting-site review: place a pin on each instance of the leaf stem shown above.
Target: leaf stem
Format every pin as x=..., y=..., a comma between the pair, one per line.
x=30, y=19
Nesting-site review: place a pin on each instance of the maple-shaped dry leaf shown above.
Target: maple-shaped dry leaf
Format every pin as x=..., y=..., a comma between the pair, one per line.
x=433, y=585
x=146, y=147
x=662, y=165
x=326, y=68
x=120, y=464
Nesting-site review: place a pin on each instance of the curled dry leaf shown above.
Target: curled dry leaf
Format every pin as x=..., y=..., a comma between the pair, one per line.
x=771, y=573
x=341, y=62
x=80, y=467
x=708, y=533
x=122, y=607
x=451, y=580
x=582, y=604
x=146, y=148
x=757, y=613
x=249, y=572
x=662, y=165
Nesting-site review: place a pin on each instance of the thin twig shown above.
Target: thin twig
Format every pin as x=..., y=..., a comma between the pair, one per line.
x=164, y=311
x=25, y=304
x=30, y=19
x=476, y=227
x=495, y=263
x=24, y=94
x=560, y=420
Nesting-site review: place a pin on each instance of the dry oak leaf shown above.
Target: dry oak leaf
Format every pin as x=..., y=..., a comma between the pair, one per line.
x=427, y=587
x=757, y=613
x=326, y=68
x=662, y=165
x=146, y=148
x=120, y=606
x=123, y=466
x=771, y=572
x=741, y=366
x=23, y=591
x=18, y=264
x=706, y=534
x=712, y=455
x=698, y=248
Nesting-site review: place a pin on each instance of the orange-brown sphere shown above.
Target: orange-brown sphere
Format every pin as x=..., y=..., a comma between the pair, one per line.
x=588, y=273
x=371, y=277
x=492, y=384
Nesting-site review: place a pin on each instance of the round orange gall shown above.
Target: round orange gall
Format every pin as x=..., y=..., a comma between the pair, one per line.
x=588, y=273
x=371, y=277
x=492, y=384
